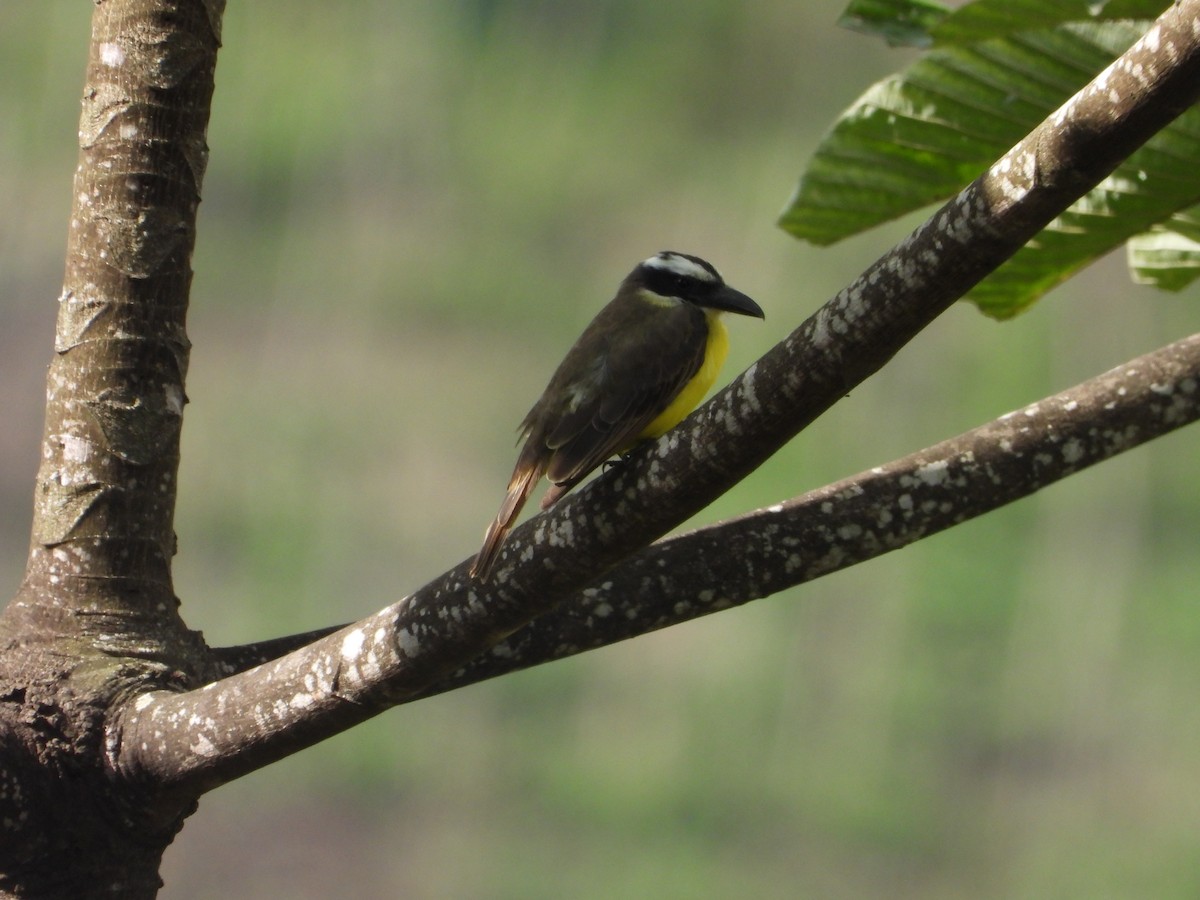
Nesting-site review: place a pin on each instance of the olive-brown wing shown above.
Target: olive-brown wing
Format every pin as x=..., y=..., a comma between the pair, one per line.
x=643, y=366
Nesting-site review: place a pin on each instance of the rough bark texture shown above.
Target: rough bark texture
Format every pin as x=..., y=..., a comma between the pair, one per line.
x=95, y=618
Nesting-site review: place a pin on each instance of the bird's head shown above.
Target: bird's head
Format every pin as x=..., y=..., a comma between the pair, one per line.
x=678, y=276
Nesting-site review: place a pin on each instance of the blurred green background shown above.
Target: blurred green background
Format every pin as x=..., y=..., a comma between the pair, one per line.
x=411, y=210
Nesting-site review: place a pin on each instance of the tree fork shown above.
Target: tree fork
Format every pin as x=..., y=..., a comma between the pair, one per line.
x=95, y=618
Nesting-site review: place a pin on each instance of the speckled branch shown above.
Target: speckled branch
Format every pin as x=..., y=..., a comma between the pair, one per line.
x=840, y=525
x=194, y=741
x=867, y=515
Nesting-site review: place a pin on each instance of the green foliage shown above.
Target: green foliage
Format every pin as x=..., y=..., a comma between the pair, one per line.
x=997, y=70
x=987, y=19
x=1167, y=258
x=899, y=22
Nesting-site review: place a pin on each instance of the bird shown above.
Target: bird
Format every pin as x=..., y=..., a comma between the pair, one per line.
x=643, y=363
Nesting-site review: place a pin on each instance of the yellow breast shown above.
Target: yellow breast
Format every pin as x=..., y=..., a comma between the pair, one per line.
x=693, y=392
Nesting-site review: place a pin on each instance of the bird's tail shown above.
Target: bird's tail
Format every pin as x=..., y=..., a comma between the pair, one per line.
x=524, y=477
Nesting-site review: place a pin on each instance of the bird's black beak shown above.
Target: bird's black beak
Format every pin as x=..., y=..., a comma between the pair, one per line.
x=728, y=299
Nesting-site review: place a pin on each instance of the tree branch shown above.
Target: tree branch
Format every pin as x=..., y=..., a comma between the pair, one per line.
x=846, y=523
x=194, y=741
x=99, y=560
x=231, y=660
x=865, y=516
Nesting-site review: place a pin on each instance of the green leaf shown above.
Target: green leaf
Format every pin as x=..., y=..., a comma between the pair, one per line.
x=902, y=23
x=1151, y=187
x=987, y=19
x=1167, y=257
x=918, y=137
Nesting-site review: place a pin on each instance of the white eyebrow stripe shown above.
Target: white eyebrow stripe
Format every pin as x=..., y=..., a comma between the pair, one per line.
x=680, y=265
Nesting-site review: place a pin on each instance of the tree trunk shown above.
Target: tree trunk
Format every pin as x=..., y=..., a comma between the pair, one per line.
x=96, y=616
